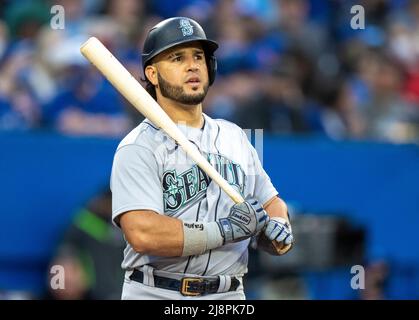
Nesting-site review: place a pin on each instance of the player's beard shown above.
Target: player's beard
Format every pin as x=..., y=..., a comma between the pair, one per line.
x=177, y=93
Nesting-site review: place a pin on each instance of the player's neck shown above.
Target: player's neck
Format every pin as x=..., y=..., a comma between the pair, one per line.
x=188, y=115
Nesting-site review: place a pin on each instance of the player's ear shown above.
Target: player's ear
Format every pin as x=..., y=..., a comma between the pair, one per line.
x=151, y=74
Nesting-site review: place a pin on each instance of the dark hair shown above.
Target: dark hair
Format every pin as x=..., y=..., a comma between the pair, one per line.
x=149, y=87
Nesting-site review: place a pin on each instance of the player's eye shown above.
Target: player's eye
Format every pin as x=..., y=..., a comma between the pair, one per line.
x=199, y=57
x=177, y=59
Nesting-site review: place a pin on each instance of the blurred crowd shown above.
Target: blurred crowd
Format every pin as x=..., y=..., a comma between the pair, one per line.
x=287, y=66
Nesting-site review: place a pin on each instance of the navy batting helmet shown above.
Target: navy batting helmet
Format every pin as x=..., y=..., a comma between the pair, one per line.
x=175, y=31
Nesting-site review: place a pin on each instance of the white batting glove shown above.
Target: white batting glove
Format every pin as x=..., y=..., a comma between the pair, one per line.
x=279, y=229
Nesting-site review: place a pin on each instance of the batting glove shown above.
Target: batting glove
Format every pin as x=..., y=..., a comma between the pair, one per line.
x=245, y=220
x=279, y=229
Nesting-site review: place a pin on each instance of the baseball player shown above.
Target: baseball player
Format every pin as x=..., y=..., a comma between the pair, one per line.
x=186, y=239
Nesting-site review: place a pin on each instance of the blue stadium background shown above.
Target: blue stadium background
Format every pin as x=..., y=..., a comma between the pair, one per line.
x=46, y=177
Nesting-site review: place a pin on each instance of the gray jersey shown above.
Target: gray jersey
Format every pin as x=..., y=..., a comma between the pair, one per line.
x=151, y=172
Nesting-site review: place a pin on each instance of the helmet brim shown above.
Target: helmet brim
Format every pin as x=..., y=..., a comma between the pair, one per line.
x=209, y=47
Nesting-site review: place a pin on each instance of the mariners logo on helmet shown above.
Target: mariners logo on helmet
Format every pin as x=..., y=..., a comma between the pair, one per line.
x=186, y=27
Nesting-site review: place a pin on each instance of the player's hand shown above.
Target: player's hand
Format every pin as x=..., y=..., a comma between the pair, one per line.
x=278, y=229
x=245, y=220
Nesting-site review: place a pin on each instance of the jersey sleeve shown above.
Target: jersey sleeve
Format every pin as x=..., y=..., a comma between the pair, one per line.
x=263, y=187
x=135, y=182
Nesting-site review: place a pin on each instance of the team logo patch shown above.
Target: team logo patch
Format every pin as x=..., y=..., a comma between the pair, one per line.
x=186, y=27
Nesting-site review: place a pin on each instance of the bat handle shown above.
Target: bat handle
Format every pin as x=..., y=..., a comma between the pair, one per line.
x=237, y=198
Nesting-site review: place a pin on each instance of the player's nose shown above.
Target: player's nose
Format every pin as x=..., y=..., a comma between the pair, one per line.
x=192, y=64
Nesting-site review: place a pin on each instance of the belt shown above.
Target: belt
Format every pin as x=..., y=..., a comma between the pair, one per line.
x=187, y=286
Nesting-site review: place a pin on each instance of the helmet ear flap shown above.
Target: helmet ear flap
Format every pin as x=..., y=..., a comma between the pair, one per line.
x=212, y=68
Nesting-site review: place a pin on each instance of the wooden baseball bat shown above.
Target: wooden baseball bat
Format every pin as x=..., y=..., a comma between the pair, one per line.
x=131, y=89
